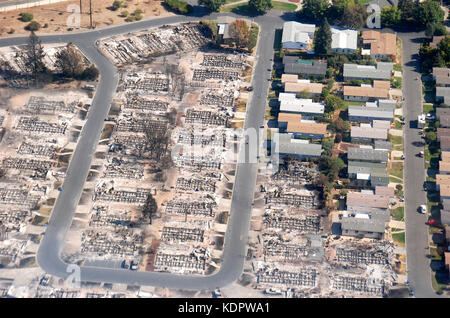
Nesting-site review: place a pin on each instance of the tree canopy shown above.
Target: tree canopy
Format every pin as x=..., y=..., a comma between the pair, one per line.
x=34, y=56
x=213, y=5
x=315, y=9
x=260, y=6
x=322, y=39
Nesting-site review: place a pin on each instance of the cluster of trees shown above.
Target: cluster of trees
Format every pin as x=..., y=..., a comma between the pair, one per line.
x=346, y=13
x=435, y=57
x=69, y=62
x=254, y=6
x=428, y=15
x=243, y=35
x=179, y=6
x=28, y=17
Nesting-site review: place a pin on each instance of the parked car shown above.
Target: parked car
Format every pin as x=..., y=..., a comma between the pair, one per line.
x=422, y=209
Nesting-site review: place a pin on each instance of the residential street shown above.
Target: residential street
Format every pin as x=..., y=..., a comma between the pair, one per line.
x=418, y=265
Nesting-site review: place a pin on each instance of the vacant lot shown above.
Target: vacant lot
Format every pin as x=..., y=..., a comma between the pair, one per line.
x=54, y=17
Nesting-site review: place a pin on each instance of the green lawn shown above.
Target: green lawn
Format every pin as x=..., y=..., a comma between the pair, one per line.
x=396, y=140
x=231, y=1
x=283, y=6
x=428, y=107
x=395, y=179
x=398, y=214
x=397, y=170
x=399, y=238
x=242, y=8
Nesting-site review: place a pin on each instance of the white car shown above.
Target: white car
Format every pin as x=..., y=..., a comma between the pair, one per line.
x=423, y=209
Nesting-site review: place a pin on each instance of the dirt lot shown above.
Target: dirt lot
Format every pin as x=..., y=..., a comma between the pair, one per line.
x=56, y=15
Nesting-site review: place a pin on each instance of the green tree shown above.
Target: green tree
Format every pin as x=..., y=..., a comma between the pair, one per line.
x=213, y=5
x=69, y=62
x=315, y=9
x=390, y=16
x=332, y=103
x=116, y=5
x=335, y=166
x=26, y=17
x=407, y=8
x=429, y=12
x=34, y=56
x=444, y=50
x=431, y=136
x=322, y=39
x=260, y=6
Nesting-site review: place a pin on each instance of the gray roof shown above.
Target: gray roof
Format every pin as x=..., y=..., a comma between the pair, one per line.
x=441, y=75
x=375, y=213
x=383, y=144
x=443, y=92
x=292, y=66
x=381, y=71
x=446, y=204
x=445, y=217
x=290, y=59
x=364, y=225
x=442, y=111
x=444, y=121
x=355, y=167
x=367, y=154
x=289, y=146
x=370, y=112
x=387, y=104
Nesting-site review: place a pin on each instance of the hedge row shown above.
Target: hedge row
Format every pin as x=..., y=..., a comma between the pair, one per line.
x=179, y=6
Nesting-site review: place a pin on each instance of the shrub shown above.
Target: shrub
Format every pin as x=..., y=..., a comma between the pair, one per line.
x=138, y=17
x=179, y=6
x=124, y=13
x=138, y=12
x=116, y=5
x=26, y=17
x=33, y=26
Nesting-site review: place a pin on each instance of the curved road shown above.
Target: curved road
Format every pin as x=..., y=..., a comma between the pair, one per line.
x=49, y=252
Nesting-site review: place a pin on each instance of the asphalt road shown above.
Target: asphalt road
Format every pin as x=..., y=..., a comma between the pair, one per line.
x=49, y=252
x=418, y=265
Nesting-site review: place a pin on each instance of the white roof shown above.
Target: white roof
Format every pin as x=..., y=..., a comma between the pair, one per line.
x=343, y=38
x=286, y=96
x=301, y=105
x=363, y=176
x=297, y=32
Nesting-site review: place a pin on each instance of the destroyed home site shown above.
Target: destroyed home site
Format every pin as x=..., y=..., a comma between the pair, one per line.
x=158, y=195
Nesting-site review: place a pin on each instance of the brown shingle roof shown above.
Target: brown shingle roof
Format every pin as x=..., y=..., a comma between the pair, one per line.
x=289, y=78
x=445, y=142
x=381, y=84
x=366, y=92
x=444, y=166
x=295, y=125
x=388, y=191
x=443, y=179
x=443, y=132
x=442, y=111
x=380, y=43
x=315, y=88
x=445, y=156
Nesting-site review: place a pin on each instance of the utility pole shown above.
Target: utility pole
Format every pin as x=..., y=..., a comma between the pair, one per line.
x=81, y=8
x=90, y=11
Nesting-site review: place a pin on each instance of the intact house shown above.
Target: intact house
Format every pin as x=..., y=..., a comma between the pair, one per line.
x=289, y=103
x=365, y=134
x=363, y=227
x=445, y=143
x=368, y=173
x=443, y=115
x=367, y=155
x=305, y=68
x=364, y=93
x=286, y=145
x=294, y=85
x=293, y=124
x=374, y=205
x=343, y=40
x=369, y=114
x=379, y=45
x=297, y=36
x=382, y=71
x=441, y=75
x=443, y=95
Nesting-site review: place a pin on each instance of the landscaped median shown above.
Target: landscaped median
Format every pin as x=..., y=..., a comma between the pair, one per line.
x=243, y=8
